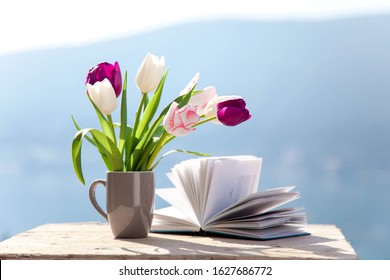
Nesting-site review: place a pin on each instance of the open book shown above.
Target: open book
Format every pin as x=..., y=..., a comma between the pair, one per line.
x=219, y=195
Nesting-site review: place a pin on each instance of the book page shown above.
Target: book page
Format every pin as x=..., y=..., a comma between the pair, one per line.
x=232, y=179
x=185, y=177
x=282, y=231
x=206, y=174
x=260, y=224
x=170, y=220
x=255, y=206
x=269, y=215
x=179, y=202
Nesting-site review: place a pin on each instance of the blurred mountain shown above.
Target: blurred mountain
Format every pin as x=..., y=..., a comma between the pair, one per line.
x=318, y=93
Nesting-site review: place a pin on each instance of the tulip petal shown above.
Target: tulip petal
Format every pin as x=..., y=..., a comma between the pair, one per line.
x=201, y=99
x=179, y=122
x=108, y=71
x=191, y=84
x=231, y=116
x=107, y=97
x=232, y=112
x=150, y=73
x=103, y=95
x=211, y=108
x=168, y=121
x=116, y=79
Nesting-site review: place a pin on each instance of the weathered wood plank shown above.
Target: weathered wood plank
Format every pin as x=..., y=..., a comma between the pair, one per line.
x=95, y=241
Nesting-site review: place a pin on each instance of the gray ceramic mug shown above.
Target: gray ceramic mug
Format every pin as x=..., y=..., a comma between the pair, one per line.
x=129, y=202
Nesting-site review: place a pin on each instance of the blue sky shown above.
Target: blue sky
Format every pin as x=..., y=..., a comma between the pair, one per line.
x=39, y=24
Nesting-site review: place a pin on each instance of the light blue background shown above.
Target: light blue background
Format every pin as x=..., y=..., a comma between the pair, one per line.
x=319, y=94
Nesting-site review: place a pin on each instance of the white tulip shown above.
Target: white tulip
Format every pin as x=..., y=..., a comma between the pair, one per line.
x=150, y=73
x=103, y=96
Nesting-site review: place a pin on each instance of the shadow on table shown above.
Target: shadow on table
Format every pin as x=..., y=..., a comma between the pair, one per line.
x=195, y=247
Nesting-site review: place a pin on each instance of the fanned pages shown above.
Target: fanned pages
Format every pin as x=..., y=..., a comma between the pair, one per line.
x=218, y=195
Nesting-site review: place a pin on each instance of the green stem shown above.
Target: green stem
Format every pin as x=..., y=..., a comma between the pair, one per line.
x=204, y=121
x=134, y=132
x=123, y=125
x=138, y=115
x=111, y=124
x=164, y=140
x=158, y=148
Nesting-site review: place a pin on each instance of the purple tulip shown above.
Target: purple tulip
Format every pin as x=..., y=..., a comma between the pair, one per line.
x=232, y=112
x=106, y=70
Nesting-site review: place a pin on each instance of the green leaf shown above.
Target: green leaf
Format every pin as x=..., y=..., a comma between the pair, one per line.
x=103, y=122
x=150, y=147
x=179, y=151
x=90, y=140
x=138, y=141
x=76, y=155
x=151, y=108
x=105, y=146
x=108, y=148
x=146, y=102
x=133, y=141
x=123, y=134
x=145, y=154
x=126, y=150
x=156, y=129
x=186, y=98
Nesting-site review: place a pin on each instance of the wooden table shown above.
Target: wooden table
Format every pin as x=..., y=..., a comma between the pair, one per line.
x=95, y=241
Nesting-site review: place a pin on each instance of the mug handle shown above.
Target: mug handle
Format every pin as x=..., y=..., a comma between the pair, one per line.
x=92, y=197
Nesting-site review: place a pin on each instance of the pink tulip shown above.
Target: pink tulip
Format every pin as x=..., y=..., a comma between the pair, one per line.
x=191, y=84
x=179, y=122
x=201, y=99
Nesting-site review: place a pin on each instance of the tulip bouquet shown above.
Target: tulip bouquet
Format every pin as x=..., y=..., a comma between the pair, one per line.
x=137, y=148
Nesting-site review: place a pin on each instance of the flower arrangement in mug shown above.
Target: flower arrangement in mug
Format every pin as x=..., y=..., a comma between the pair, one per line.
x=138, y=146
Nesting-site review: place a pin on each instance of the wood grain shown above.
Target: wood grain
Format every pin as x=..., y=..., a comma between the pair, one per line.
x=95, y=241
